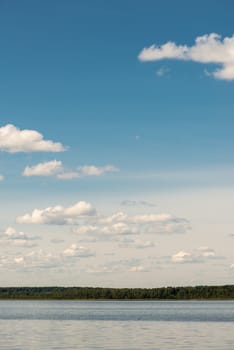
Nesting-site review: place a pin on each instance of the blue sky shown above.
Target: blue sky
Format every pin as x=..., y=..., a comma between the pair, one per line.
x=155, y=133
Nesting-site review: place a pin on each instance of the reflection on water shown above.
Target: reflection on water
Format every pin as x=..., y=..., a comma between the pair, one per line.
x=116, y=325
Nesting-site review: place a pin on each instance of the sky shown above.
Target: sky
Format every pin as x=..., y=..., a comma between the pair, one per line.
x=116, y=143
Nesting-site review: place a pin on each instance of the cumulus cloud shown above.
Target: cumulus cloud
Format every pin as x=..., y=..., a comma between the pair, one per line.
x=182, y=257
x=199, y=255
x=82, y=230
x=78, y=251
x=58, y=215
x=44, y=169
x=12, y=237
x=14, y=140
x=36, y=260
x=119, y=228
x=104, y=231
x=11, y=233
x=209, y=48
x=91, y=226
x=149, y=223
x=41, y=259
x=1, y=177
x=56, y=168
x=121, y=224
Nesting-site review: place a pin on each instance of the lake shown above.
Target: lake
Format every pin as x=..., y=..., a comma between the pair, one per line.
x=135, y=325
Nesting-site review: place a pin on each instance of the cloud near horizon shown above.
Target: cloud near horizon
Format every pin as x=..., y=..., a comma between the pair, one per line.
x=122, y=224
x=14, y=140
x=208, y=48
x=40, y=259
x=10, y=236
x=199, y=255
x=84, y=217
x=58, y=215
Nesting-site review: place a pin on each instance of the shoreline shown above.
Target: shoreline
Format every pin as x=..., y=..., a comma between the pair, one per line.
x=196, y=293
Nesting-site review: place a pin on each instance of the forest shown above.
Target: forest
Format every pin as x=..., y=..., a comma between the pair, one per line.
x=225, y=292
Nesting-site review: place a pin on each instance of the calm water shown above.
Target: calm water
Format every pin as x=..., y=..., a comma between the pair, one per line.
x=39, y=325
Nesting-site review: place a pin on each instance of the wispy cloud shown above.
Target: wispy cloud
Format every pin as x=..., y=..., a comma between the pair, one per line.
x=134, y=203
x=115, y=266
x=162, y=71
x=127, y=242
x=56, y=168
x=87, y=170
x=209, y=48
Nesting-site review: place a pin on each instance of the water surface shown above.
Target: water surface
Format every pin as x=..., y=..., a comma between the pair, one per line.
x=60, y=325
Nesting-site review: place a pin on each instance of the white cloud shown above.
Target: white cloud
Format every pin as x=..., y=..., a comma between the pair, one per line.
x=85, y=229
x=37, y=259
x=58, y=215
x=232, y=266
x=12, y=237
x=122, y=224
x=11, y=233
x=56, y=168
x=116, y=217
x=78, y=251
x=147, y=218
x=149, y=223
x=44, y=169
x=87, y=170
x=19, y=260
x=119, y=228
x=41, y=259
x=138, y=268
x=200, y=254
x=209, y=48
x=14, y=140
x=91, y=170
x=2, y=177
x=206, y=252
x=182, y=257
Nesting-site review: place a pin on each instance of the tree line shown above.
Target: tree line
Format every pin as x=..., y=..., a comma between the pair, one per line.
x=96, y=293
